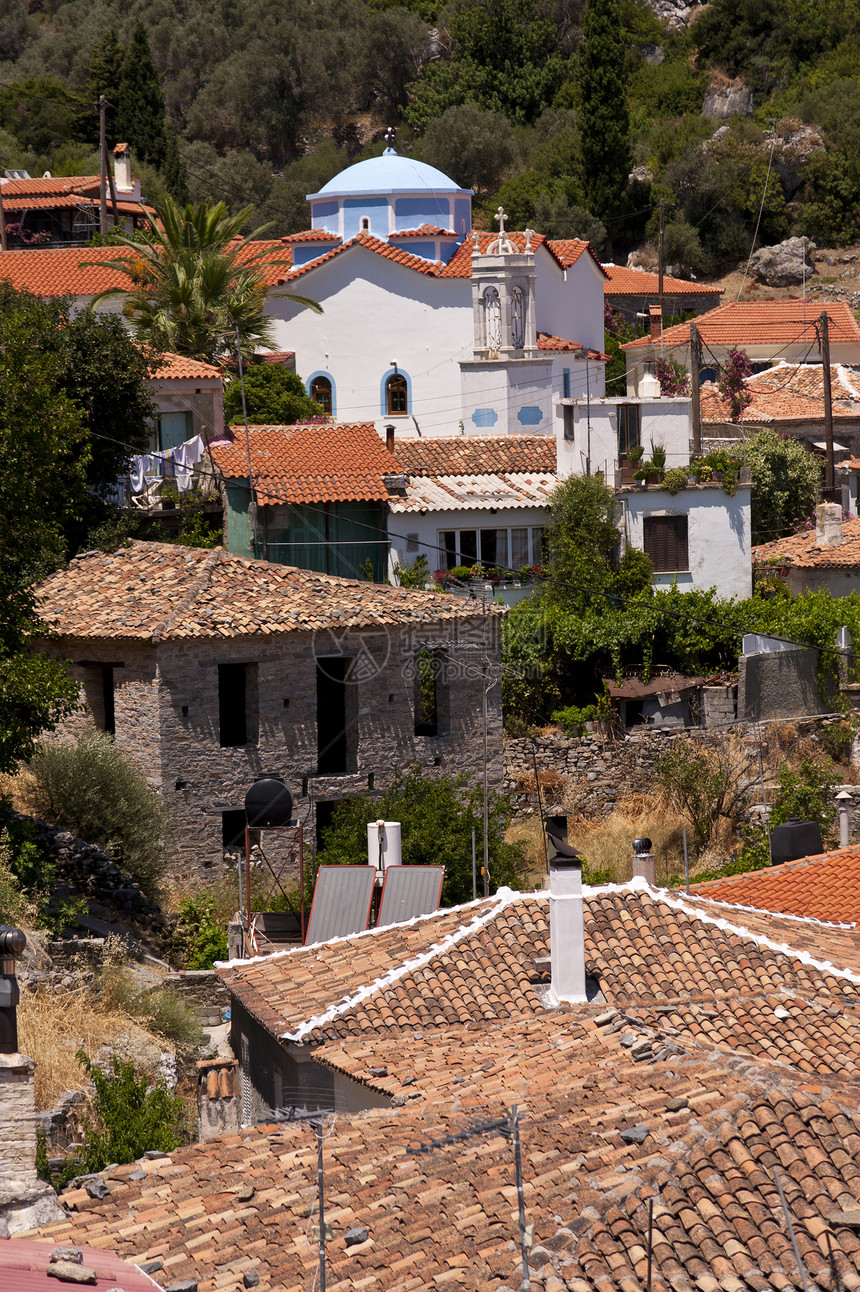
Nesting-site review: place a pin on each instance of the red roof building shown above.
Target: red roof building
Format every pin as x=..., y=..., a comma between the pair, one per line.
x=633, y=291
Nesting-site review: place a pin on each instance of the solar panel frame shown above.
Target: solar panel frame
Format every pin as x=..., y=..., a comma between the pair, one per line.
x=409, y=891
x=341, y=902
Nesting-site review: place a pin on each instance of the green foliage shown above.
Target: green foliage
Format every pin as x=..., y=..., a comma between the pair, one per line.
x=698, y=784
x=786, y=480
x=201, y=938
x=160, y=1009
x=437, y=817
x=763, y=40
x=90, y=789
x=675, y=481
x=140, y=119
x=470, y=144
x=415, y=575
x=831, y=209
x=580, y=541
x=273, y=396
x=601, y=88
x=103, y=76
x=39, y=112
x=132, y=1116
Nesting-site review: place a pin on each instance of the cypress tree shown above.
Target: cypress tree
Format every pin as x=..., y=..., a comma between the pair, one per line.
x=140, y=118
x=103, y=77
x=601, y=94
x=174, y=170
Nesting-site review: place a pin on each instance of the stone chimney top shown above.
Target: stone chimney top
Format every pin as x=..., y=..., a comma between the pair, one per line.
x=655, y=321
x=828, y=524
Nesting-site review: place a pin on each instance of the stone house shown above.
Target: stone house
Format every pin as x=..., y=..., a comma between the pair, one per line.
x=210, y=669
x=823, y=559
x=634, y=292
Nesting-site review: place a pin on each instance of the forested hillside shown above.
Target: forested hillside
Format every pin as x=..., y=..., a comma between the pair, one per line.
x=577, y=115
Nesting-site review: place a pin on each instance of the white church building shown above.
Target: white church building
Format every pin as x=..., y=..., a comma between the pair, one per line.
x=428, y=325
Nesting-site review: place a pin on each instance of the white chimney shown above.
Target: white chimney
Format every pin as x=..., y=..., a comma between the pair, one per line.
x=649, y=386
x=643, y=862
x=122, y=168
x=828, y=524
x=383, y=845
x=566, y=929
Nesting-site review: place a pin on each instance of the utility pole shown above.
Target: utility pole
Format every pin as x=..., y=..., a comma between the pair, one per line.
x=660, y=256
x=320, y=1189
x=824, y=349
x=694, y=389
x=2, y=222
x=524, y=1236
x=102, y=107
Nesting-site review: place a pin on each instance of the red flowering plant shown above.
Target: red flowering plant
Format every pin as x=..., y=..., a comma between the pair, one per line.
x=734, y=372
x=672, y=376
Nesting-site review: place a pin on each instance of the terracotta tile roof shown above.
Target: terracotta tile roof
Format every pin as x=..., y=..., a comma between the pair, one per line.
x=489, y=492
x=800, y=549
x=56, y=203
x=310, y=464
x=24, y=1263
x=790, y=392
x=556, y=343
x=424, y=231
x=681, y=1105
x=477, y=963
x=771, y=323
x=622, y=281
x=566, y=253
x=61, y=272
x=160, y=591
x=278, y=356
x=57, y=185
x=826, y=887
x=464, y=454
x=177, y=367
x=312, y=235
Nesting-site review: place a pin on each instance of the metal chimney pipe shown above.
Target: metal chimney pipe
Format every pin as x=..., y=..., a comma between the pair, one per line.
x=12, y=944
x=643, y=862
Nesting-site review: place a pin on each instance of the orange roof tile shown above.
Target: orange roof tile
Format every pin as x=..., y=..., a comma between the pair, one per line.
x=159, y=591
x=476, y=454
x=558, y=345
x=826, y=887
x=177, y=367
x=622, y=281
x=789, y=392
x=57, y=185
x=310, y=464
x=424, y=231
x=773, y=323
x=800, y=549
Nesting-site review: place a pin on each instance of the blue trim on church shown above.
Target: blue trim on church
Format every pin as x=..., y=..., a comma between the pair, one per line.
x=383, y=402
x=321, y=372
x=485, y=417
x=530, y=415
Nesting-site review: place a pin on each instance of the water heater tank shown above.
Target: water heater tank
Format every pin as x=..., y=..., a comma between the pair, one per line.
x=795, y=839
x=383, y=844
x=268, y=802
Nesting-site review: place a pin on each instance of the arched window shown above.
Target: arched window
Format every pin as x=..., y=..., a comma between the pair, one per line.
x=321, y=393
x=396, y=395
x=492, y=320
x=518, y=318
x=365, y=224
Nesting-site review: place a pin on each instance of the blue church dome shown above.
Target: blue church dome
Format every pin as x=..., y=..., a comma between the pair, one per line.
x=389, y=173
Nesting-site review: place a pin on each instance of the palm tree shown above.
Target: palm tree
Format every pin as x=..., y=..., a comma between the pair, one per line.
x=196, y=282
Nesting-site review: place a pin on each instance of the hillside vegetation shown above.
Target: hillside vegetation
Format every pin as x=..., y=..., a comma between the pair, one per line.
x=547, y=107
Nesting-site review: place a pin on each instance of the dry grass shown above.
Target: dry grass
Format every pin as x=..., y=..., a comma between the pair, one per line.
x=606, y=843
x=17, y=788
x=53, y=1026
x=529, y=832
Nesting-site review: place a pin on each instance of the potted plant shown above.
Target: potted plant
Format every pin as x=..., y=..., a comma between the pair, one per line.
x=658, y=458
x=675, y=480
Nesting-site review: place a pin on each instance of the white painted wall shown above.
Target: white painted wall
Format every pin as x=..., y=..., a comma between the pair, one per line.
x=663, y=421
x=839, y=583
x=638, y=360
x=427, y=526
x=570, y=301
x=718, y=535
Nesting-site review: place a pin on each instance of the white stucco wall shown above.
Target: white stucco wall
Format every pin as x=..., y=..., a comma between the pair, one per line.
x=662, y=421
x=718, y=535
x=839, y=583
x=427, y=526
x=570, y=301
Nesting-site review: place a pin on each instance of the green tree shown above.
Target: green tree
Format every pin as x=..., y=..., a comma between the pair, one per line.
x=437, y=817
x=471, y=145
x=103, y=77
x=786, y=480
x=40, y=112
x=132, y=1117
x=601, y=90
x=195, y=283
x=580, y=540
x=273, y=396
x=140, y=120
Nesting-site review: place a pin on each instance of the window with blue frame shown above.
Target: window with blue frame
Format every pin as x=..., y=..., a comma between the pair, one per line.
x=396, y=396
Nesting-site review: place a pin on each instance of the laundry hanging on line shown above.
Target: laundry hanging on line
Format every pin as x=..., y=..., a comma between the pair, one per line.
x=175, y=463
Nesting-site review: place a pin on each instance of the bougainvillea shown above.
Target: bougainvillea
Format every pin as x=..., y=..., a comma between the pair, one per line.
x=735, y=369
x=672, y=376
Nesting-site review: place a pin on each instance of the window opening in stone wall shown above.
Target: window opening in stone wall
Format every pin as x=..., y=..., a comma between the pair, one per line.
x=428, y=667
x=233, y=830
x=237, y=704
x=567, y=418
x=321, y=394
x=324, y=812
x=665, y=543
x=109, y=710
x=332, y=742
x=629, y=428
x=396, y=396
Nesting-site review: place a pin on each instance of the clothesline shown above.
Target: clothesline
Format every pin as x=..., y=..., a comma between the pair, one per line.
x=176, y=463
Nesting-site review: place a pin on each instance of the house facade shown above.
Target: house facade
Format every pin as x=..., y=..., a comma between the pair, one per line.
x=210, y=670
x=634, y=292
x=825, y=559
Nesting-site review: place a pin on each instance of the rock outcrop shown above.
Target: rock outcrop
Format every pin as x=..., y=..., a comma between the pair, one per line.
x=787, y=263
x=725, y=98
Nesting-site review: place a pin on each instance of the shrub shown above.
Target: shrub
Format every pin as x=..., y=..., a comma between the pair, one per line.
x=201, y=938
x=675, y=480
x=132, y=1117
x=89, y=789
x=161, y=1009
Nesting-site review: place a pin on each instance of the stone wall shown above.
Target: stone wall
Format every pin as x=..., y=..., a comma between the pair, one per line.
x=167, y=720
x=204, y=991
x=17, y=1120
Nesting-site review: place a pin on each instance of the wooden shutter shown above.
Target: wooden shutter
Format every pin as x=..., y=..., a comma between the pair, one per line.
x=665, y=543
